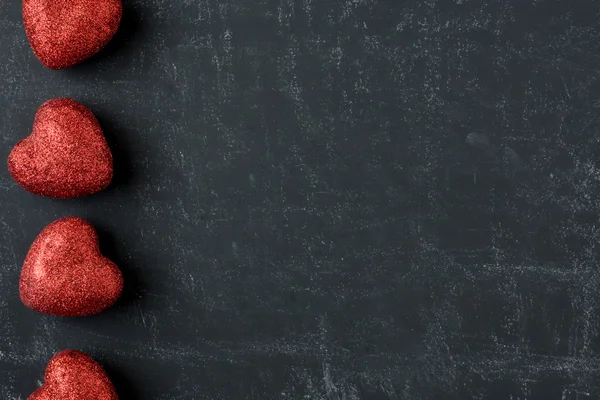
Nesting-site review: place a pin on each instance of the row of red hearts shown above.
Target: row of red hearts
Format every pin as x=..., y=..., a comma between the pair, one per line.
x=67, y=156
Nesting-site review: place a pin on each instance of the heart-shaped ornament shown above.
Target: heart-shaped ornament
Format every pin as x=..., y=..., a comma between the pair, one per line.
x=65, y=274
x=63, y=33
x=73, y=375
x=65, y=156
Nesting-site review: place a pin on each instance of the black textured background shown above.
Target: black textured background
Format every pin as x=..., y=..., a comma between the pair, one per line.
x=328, y=199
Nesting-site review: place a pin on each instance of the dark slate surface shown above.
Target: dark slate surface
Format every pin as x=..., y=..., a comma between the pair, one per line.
x=349, y=199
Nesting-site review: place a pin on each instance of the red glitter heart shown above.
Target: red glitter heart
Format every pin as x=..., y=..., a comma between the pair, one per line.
x=63, y=33
x=66, y=154
x=65, y=274
x=73, y=375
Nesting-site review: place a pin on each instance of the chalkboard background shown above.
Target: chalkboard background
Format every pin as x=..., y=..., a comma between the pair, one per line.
x=319, y=199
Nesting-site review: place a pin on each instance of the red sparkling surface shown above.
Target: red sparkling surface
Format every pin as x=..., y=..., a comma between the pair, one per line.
x=63, y=33
x=66, y=154
x=64, y=273
x=73, y=375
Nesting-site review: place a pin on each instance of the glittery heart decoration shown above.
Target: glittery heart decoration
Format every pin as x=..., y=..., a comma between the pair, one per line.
x=65, y=274
x=66, y=154
x=63, y=33
x=73, y=375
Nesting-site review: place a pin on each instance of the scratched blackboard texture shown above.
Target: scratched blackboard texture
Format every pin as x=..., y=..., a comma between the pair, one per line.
x=319, y=199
